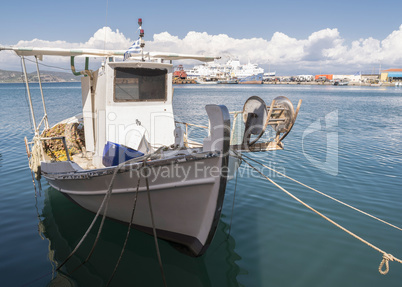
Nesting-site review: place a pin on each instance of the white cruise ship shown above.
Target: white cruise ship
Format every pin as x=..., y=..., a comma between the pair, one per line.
x=232, y=69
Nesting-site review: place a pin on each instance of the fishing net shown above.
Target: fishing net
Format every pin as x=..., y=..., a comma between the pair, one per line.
x=75, y=140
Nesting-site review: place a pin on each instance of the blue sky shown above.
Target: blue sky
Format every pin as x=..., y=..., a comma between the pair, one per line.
x=77, y=21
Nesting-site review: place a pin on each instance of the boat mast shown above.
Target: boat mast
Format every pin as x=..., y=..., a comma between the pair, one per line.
x=45, y=119
x=142, y=42
x=29, y=96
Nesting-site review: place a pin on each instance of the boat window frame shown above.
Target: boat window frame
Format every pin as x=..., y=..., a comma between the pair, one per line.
x=164, y=99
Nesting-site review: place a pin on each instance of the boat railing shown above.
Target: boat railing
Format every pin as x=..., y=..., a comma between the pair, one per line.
x=193, y=125
x=235, y=133
x=253, y=120
x=232, y=134
x=186, y=140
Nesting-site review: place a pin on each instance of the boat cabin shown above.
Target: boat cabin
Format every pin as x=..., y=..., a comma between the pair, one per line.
x=125, y=104
x=128, y=103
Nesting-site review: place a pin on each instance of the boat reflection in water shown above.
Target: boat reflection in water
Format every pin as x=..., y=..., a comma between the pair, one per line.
x=63, y=223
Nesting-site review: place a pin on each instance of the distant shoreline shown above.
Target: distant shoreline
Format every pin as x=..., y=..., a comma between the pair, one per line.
x=385, y=84
x=46, y=77
x=55, y=82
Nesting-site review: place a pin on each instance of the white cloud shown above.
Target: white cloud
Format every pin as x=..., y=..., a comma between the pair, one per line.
x=324, y=49
x=282, y=49
x=321, y=44
x=104, y=38
x=392, y=47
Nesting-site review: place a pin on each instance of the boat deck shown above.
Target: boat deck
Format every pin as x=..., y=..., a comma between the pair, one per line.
x=84, y=160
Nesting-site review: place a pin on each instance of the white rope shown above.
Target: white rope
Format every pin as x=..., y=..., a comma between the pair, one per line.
x=326, y=195
x=128, y=232
x=153, y=227
x=34, y=160
x=234, y=198
x=386, y=256
x=104, y=201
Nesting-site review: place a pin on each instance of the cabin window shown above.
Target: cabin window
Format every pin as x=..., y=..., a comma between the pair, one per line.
x=139, y=84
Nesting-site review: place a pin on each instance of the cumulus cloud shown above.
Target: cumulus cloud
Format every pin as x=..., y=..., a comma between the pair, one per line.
x=318, y=46
x=104, y=38
x=324, y=49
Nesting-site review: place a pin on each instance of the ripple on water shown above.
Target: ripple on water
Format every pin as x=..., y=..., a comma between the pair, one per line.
x=275, y=241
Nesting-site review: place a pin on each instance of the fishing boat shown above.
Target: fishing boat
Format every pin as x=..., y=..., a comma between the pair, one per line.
x=126, y=157
x=376, y=84
x=228, y=81
x=338, y=82
x=127, y=116
x=205, y=81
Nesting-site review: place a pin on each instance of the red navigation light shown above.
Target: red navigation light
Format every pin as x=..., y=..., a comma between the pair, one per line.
x=140, y=21
x=142, y=33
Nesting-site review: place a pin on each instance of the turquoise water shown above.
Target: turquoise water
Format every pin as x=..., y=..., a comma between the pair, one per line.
x=346, y=142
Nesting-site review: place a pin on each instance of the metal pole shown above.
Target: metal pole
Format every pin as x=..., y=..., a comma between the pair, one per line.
x=65, y=148
x=41, y=92
x=29, y=95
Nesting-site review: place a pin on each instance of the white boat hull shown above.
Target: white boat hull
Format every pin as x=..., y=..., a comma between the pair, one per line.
x=186, y=203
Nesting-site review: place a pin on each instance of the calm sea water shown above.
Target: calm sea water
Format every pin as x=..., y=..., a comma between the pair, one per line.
x=346, y=142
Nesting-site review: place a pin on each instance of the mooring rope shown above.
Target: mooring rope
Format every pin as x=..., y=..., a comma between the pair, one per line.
x=234, y=197
x=386, y=256
x=154, y=229
x=105, y=200
x=326, y=195
x=128, y=231
x=107, y=196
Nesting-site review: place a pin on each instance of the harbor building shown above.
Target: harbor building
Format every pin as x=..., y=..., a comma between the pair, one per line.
x=391, y=75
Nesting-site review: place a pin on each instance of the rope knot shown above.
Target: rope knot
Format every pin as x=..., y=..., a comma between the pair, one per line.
x=386, y=257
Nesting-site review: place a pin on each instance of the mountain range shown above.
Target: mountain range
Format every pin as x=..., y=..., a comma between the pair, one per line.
x=46, y=77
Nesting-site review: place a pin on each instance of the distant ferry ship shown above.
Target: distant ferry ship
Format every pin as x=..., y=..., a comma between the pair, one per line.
x=207, y=70
x=254, y=79
x=231, y=70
